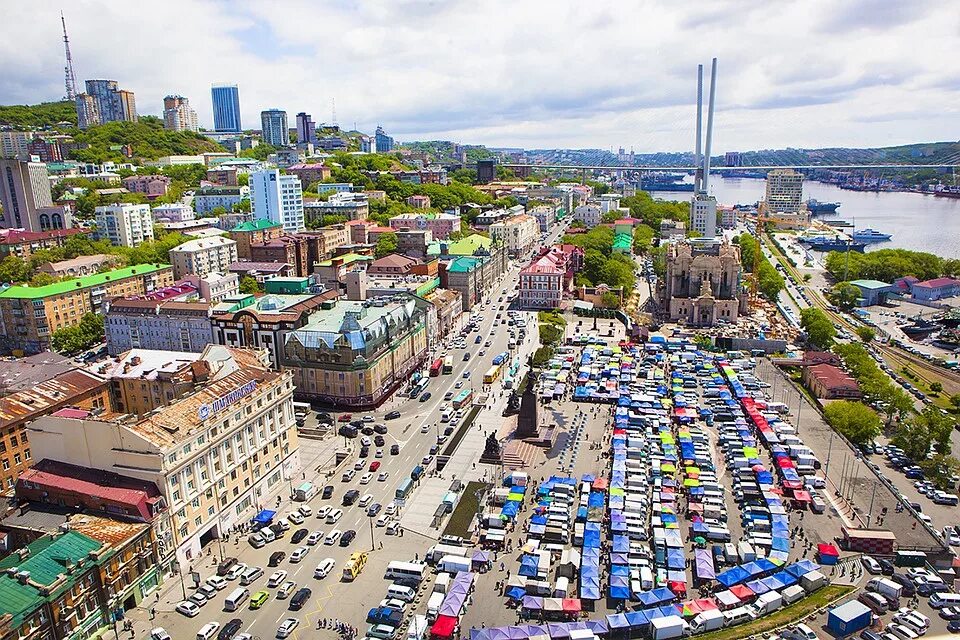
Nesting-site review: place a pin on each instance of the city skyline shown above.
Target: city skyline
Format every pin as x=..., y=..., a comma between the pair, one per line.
x=870, y=80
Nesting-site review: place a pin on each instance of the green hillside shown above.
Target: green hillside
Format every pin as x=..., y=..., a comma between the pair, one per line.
x=147, y=137
x=38, y=116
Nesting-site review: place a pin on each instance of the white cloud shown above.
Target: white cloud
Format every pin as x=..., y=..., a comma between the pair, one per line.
x=545, y=73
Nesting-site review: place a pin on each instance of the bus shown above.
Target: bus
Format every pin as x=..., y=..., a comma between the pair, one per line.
x=436, y=367
x=462, y=398
x=406, y=572
x=500, y=358
x=404, y=489
x=448, y=365
x=491, y=375
x=354, y=565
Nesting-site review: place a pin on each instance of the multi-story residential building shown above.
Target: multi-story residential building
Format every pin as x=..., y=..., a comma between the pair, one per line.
x=173, y=213
x=202, y=256
x=46, y=150
x=13, y=144
x=215, y=286
x=324, y=243
x=517, y=234
x=165, y=325
x=178, y=115
x=703, y=283
x=30, y=315
x=449, y=306
x=544, y=281
x=275, y=131
x=223, y=176
x=206, y=199
x=289, y=249
x=125, y=225
x=784, y=191
x=728, y=218
x=589, y=214
x=492, y=216
x=419, y=202
x=79, y=266
x=143, y=379
x=218, y=455
x=22, y=244
x=703, y=215
x=87, y=115
x=226, y=108
x=151, y=186
x=332, y=273
x=254, y=232
x=261, y=271
x=25, y=195
x=263, y=323
x=306, y=129
x=112, y=103
x=368, y=144
x=414, y=242
x=440, y=225
x=384, y=142
x=356, y=353
x=394, y=264
x=310, y=173
x=75, y=388
x=278, y=198
x=354, y=206
x=332, y=143
x=545, y=215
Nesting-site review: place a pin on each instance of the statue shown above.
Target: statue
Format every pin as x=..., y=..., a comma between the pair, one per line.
x=491, y=448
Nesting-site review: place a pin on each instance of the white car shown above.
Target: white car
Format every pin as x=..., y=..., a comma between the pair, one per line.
x=334, y=515
x=323, y=511
x=299, y=554
x=383, y=520
x=902, y=631
x=379, y=453
x=383, y=476
x=366, y=478
x=365, y=500
x=286, y=627
x=332, y=537
x=393, y=528
x=324, y=568
x=803, y=632
x=391, y=508
x=359, y=465
x=871, y=565
x=305, y=510
x=425, y=428
x=916, y=621
x=951, y=537
x=187, y=608
x=365, y=441
x=286, y=589
x=217, y=583
x=208, y=630
x=315, y=537
x=159, y=633
x=276, y=578
x=295, y=517
x=236, y=571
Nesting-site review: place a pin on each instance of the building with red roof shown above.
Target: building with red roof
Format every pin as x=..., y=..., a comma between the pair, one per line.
x=544, y=281
x=21, y=243
x=935, y=289
x=829, y=382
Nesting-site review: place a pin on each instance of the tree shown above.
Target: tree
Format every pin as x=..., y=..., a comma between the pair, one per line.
x=13, y=269
x=80, y=336
x=936, y=388
x=844, y=295
x=955, y=400
x=243, y=179
x=855, y=421
x=41, y=279
x=807, y=277
x=386, y=244
x=643, y=239
x=914, y=438
x=940, y=468
x=820, y=331
x=249, y=285
x=865, y=333
x=610, y=300
x=938, y=425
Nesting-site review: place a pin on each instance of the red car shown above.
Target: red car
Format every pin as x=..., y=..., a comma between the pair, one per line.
x=345, y=417
x=374, y=465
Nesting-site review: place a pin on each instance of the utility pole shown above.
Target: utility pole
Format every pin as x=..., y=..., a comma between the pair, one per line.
x=870, y=513
x=372, y=545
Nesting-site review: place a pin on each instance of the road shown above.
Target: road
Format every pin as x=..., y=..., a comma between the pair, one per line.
x=330, y=596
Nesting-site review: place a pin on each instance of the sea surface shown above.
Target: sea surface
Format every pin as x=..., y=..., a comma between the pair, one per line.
x=916, y=221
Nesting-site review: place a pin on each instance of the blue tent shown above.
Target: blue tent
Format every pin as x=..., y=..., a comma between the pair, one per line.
x=781, y=544
x=676, y=559
x=621, y=543
x=758, y=587
x=637, y=619
x=765, y=565
x=528, y=565
x=800, y=568
x=620, y=587
x=515, y=593
x=617, y=621
x=787, y=579
x=264, y=517
x=590, y=588
x=752, y=569
x=732, y=576
x=773, y=583
x=620, y=570
x=538, y=520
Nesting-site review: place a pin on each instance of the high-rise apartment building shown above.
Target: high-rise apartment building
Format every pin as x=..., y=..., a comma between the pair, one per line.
x=226, y=107
x=25, y=195
x=384, y=142
x=87, y=112
x=368, y=144
x=274, y=124
x=306, y=129
x=14, y=144
x=277, y=197
x=178, y=116
x=703, y=215
x=784, y=191
x=110, y=103
x=125, y=225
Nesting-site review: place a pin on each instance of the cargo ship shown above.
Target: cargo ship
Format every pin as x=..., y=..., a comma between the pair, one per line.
x=835, y=244
x=815, y=206
x=664, y=182
x=870, y=235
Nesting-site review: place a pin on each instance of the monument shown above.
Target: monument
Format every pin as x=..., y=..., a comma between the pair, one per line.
x=527, y=425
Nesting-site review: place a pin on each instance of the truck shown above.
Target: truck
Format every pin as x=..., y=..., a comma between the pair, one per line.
x=433, y=605
x=885, y=587
x=792, y=593
x=453, y=564
x=910, y=559
x=766, y=603
x=746, y=552
x=668, y=627
x=707, y=621
x=385, y=615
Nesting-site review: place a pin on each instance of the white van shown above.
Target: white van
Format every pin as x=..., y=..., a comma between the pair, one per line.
x=737, y=616
x=433, y=606
x=250, y=575
x=236, y=599
x=268, y=534
x=208, y=631
x=405, y=593
x=941, y=600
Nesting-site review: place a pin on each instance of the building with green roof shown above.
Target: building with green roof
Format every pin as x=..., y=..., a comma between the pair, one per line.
x=254, y=232
x=31, y=315
x=623, y=243
x=256, y=225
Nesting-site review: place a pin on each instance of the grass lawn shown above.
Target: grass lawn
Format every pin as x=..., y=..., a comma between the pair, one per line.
x=783, y=617
x=462, y=516
x=461, y=432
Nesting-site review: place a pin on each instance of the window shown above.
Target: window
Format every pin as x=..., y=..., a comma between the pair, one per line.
x=16, y=458
x=6, y=464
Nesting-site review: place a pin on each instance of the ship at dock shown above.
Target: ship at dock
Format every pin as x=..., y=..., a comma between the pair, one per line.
x=825, y=244
x=870, y=235
x=816, y=207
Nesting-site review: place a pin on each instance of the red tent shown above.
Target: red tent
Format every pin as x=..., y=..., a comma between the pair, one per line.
x=706, y=604
x=443, y=628
x=571, y=605
x=599, y=484
x=743, y=592
x=826, y=549
x=801, y=496
x=784, y=462
x=679, y=588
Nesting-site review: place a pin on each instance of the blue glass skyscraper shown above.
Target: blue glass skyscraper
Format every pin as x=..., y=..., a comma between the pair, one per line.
x=226, y=108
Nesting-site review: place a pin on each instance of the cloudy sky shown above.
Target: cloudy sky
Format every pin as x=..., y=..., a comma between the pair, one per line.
x=535, y=74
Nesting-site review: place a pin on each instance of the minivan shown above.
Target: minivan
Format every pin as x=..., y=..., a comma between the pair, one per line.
x=208, y=631
x=736, y=616
x=236, y=599
x=250, y=575
x=407, y=594
x=941, y=600
x=299, y=599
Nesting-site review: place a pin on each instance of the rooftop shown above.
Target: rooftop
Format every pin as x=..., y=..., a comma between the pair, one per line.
x=345, y=259
x=394, y=260
x=143, y=363
x=80, y=261
x=203, y=243
x=256, y=225
x=462, y=264
x=98, y=279
x=936, y=283
x=92, y=482
x=870, y=284
x=25, y=405
x=265, y=267
x=19, y=236
x=25, y=373
x=105, y=530
x=833, y=377
x=359, y=322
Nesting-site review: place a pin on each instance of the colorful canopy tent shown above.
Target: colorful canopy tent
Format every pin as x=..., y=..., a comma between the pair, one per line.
x=743, y=592
x=443, y=627
x=827, y=554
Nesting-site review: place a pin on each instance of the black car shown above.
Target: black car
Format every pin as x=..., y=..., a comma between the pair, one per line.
x=394, y=449
x=299, y=535
x=350, y=497
x=324, y=418
x=392, y=415
x=867, y=634
x=466, y=356
x=278, y=531
x=348, y=431
x=949, y=613
x=347, y=537
x=230, y=629
x=327, y=492
x=356, y=423
x=380, y=428
x=447, y=431
x=379, y=441
x=425, y=397
x=367, y=430
x=907, y=589
x=364, y=452
x=953, y=626
x=927, y=589
x=886, y=567
x=224, y=567
x=276, y=558
x=299, y=599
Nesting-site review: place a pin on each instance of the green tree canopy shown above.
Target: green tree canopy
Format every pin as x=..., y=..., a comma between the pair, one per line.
x=855, y=421
x=886, y=265
x=386, y=244
x=844, y=295
x=249, y=285
x=820, y=330
x=866, y=334
x=70, y=340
